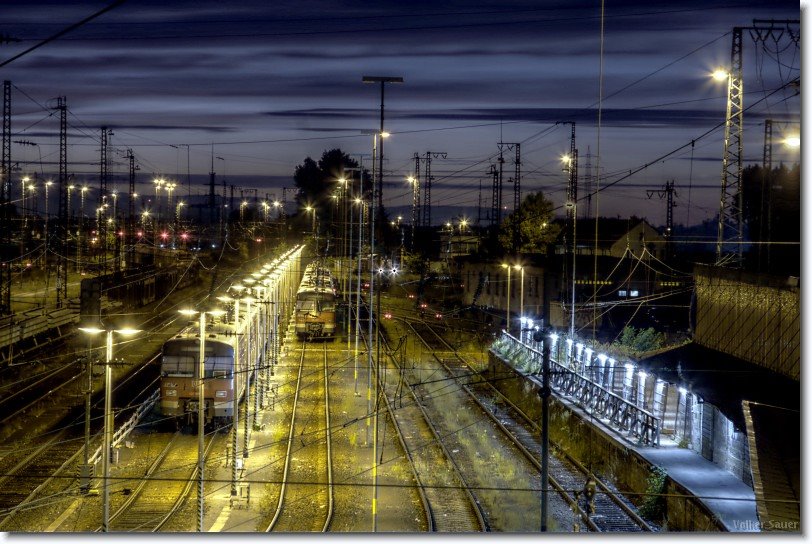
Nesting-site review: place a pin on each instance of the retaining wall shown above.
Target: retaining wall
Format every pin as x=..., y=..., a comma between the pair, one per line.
x=608, y=457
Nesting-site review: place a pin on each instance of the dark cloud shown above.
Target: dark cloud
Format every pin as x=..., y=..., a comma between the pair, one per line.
x=200, y=71
x=612, y=117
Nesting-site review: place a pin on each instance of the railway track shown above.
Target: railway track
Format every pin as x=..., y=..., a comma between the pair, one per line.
x=45, y=400
x=306, y=494
x=452, y=506
x=163, y=489
x=611, y=511
x=21, y=480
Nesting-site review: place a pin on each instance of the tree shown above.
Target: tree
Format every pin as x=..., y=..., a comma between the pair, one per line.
x=772, y=214
x=535, y=223
x=318, y=181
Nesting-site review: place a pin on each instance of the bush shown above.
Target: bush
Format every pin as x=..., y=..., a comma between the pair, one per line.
x=653, y=506
x=636, y=341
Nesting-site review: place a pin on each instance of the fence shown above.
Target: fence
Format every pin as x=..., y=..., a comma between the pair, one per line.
x=615, y=411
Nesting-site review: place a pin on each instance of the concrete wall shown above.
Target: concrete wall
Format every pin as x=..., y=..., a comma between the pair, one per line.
x=608, y=457
x=753, y=317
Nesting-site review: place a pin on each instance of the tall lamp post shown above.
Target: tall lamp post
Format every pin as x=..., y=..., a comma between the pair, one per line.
x=507, y=309
x=201, y=406
x=521, y=293
x=108, y=415
x=47, y=184
x=382, y=80
x=312, y=211
x=236, y=415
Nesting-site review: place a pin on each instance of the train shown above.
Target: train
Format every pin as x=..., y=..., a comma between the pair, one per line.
x=315, y=314
x=240, y=344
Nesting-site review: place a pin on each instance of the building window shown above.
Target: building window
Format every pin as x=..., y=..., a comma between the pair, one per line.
x=634, y=293
x=621, y=293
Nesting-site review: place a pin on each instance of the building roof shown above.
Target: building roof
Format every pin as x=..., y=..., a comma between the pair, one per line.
x=723, y=380
x=774, y=437
x=611, y=229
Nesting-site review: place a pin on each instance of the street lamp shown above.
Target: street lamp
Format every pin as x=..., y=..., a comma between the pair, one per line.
x=23, y=183
x=170, y=186
x=81, y=228
x=236, y=413
x=521, y=293
x=312, y=211
x=382, y=80
x=507, y=311
x=793, y=141
x=158, y=183
x=360, y=202
x=201, y=405
x=108, y=415
x=47, y=184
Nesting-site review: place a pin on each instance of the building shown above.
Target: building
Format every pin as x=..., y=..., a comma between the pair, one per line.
x=630, y=275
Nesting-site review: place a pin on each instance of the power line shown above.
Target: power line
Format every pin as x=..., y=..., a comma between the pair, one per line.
x=64, y=31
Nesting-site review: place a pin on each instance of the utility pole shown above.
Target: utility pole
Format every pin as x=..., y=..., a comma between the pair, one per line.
x=131, y=210
x=103, y=178
x=496, y=202
x=5, y=200
x=188, y=173
x=668, y=193
x=571, y=162
x=382, y=81
x=731, y=202
x=479, y=204
x=415, y=198
x=588, y=181
x=517, y=188
x=427, y=185
x=545, y=393
x=212, y=200
x=62, y=245
x=766, y=191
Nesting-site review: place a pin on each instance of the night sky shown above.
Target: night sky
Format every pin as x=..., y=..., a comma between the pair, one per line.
x=264, y=87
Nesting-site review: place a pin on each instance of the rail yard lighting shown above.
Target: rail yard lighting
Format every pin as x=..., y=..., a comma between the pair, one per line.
x=312, y=211
x=108, y=414
x=383, y=80
x=520, y=268
x=158, y=184
x=793, y=141
x=47, y=184
x=720, y=74
x=548, y=340
x=507, y=306
x=201, y=404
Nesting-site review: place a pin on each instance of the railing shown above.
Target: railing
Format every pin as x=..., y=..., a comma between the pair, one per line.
x=594, y=399
x=125, y=429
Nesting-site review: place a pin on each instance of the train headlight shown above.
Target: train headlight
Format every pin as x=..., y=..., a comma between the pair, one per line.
x=171, y=393
x=221, y=394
